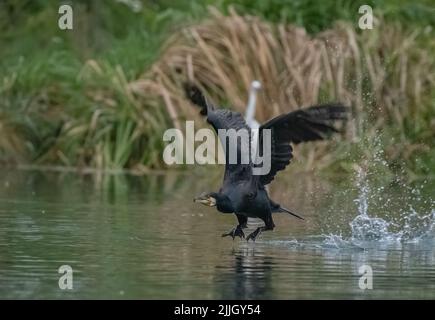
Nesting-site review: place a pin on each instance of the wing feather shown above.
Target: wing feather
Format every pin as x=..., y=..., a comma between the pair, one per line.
x=310, y=124
x=225, y=119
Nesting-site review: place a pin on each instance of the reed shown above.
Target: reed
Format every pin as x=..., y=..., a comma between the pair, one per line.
x=384, y=74
x=103, y=115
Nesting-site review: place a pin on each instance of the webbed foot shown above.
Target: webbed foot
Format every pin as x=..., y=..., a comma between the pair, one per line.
x=235, y=232
x=254, y=234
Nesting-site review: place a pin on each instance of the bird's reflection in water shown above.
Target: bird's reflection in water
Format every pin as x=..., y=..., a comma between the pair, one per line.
x=247, y=276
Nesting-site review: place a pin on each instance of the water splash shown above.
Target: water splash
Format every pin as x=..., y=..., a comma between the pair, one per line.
x=368, y=230
x=364, y=227
x=418, y=227
x=363, y=188
x=396, y=229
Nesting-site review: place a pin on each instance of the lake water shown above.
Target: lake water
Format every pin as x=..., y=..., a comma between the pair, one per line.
x=143, y=237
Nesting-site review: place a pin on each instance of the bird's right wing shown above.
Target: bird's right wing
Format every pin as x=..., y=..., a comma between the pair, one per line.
x=224, y=119
x=314, y=123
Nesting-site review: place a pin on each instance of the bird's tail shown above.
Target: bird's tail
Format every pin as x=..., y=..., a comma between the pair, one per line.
x=194, y=94
x=282, y=209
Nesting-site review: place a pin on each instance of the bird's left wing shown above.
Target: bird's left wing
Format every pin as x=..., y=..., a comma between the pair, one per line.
x=313, y=123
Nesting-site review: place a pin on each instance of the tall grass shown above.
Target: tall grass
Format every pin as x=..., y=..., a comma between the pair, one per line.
x=383, y=73
x=72, y=101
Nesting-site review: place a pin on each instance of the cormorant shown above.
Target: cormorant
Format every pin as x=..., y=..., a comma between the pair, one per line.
x=244, y=193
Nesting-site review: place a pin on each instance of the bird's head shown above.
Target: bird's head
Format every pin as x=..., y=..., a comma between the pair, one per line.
x=207, y=199
x=256, y=85
x=218, y=200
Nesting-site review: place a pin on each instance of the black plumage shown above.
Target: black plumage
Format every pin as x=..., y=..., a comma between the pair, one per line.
x=244, y=193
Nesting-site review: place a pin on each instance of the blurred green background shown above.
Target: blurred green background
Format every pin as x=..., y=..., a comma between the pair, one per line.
x=48, y=104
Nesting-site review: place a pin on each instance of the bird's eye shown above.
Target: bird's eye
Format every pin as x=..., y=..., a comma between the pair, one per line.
x=251, y=195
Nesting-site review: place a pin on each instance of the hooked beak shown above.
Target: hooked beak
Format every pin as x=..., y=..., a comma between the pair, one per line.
x=205, y=200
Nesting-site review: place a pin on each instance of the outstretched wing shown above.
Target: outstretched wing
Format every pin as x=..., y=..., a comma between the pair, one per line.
x=314, y=123
x=225, y=119
x=194, y=94
x=218, y=118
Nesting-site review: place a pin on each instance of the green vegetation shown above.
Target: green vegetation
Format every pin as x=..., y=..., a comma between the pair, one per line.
x=103, y=94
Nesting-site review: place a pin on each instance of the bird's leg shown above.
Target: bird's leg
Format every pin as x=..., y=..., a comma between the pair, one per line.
x=235, y=232
x=238, y=230
x=269, y=225
x=255, y=234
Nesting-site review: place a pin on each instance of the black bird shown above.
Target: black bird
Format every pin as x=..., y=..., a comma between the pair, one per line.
x=244, y=193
